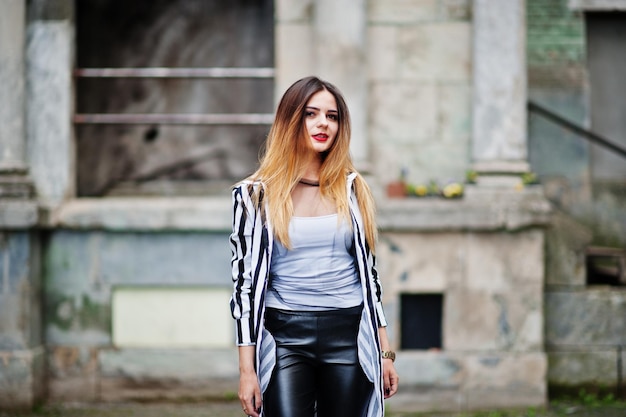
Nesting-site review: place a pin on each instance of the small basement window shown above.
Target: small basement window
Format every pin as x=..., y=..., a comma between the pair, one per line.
x=421, y=321
x=606, y=266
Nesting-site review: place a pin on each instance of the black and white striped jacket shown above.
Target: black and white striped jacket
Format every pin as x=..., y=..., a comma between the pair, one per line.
x=251, y=244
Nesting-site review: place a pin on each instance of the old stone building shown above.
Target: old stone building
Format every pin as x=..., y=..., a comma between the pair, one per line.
x=127, y=124
x=575, y=61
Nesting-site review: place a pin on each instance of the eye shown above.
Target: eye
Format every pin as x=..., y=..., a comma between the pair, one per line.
x=309, y=113
x=333, y=117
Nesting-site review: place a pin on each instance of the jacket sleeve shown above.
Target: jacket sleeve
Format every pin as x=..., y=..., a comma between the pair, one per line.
x=378, y=291
x=242, y=299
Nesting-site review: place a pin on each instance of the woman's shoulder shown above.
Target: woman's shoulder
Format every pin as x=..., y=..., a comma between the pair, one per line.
x=249, y=183
x=354, y=177
x=249, y=189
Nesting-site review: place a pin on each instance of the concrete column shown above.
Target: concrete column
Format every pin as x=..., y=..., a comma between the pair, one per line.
x=499, y=104
x=49, y=99
x=12, y=141
x=340, y=33
x=329, y=39
x=293, y=37
x=22, y=354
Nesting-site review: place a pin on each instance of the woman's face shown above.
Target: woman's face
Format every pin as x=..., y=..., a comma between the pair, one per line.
x=321, y=120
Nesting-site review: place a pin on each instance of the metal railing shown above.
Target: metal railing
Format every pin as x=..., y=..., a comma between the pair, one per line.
x=580, y=131
x=161, y=72
x=175, y=118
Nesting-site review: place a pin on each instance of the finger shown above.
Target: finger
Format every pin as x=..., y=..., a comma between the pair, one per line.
x=253, y=405
x=386, y=383
x=258, y=403
x=251, y=412
x=393, y=387
x=248, y=407
x=386, y=387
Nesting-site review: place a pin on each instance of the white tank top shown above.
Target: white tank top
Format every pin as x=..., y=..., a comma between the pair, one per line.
x=319, y=272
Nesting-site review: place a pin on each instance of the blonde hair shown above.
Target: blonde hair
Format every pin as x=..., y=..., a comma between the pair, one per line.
x=288, y=151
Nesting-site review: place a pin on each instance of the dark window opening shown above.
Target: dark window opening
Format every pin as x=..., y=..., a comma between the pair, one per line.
x=606, y=266
x=421, y=321
x=606, y=58
x=172, y=97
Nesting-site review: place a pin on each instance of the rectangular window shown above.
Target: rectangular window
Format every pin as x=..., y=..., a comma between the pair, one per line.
x=172, y=97
x=164, y=317
x=421, y=321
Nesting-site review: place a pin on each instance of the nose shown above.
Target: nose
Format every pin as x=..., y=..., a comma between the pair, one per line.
x=322, y=120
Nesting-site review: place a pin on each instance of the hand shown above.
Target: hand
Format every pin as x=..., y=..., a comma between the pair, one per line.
x=390, y=378
x=250, y=394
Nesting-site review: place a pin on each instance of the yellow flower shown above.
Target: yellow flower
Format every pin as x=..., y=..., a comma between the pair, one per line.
x=452, y=190
x=421, y=190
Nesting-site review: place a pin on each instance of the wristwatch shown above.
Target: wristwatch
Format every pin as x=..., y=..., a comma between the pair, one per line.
x=389, y=354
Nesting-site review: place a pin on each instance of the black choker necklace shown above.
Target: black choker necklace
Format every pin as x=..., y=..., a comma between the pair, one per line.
x=311, y=183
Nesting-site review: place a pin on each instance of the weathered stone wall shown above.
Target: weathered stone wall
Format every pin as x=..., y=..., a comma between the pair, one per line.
x=484, y=255
x=22, y=354
x=585, y=328
x=586, y=335
x=83, y=269
x=492, y=316
x=491, y=276
x=584, y=325
x=419, y=68
x=558, y=74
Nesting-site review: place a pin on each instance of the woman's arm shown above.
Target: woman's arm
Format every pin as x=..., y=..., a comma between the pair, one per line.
x=390, y=376
x=249, y=390
x=242, y=300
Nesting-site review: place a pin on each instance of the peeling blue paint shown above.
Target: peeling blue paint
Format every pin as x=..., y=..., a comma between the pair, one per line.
x=392, y=246
x=490, y=362
x=503, y=320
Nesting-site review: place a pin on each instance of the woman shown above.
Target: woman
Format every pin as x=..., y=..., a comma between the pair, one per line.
x=307, y=297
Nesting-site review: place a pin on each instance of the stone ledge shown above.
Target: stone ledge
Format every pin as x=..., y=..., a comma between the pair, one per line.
x=147, y=214
x=430, y=380
x=157, y=374
x=591, y=366
x=469, y=380
x=597, y=5
x=481, y=209
x=18, y=214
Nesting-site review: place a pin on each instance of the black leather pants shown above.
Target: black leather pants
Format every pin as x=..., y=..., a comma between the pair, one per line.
x=317, y=366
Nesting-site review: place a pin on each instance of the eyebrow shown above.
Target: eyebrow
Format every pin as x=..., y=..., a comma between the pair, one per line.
x=316, y=108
